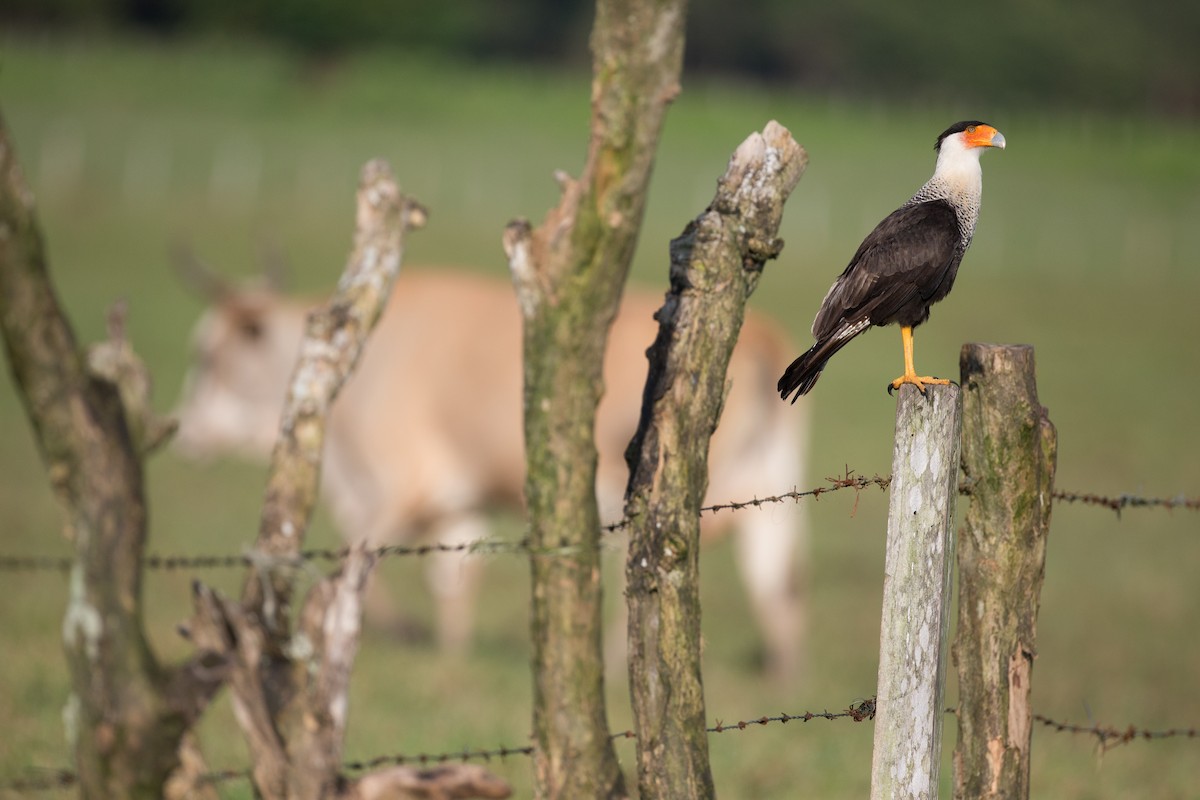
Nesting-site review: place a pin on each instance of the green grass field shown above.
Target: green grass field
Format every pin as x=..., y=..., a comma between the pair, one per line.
x=1088, y=249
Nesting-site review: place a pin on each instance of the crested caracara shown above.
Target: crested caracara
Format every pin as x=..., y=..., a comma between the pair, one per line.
x=906, y=264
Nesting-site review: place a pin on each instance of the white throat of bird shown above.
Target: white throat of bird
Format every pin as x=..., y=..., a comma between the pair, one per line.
x=958, y=168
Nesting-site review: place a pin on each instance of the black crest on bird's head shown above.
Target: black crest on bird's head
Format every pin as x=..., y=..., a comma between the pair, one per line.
x=957, y=127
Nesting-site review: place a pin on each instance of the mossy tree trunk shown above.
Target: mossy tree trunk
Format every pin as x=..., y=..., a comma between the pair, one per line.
x=568, y=274
x=127, y=712
x=715, y=264
x=1009, y=454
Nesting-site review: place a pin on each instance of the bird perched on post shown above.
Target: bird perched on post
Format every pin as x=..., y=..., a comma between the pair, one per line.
x=906, y=264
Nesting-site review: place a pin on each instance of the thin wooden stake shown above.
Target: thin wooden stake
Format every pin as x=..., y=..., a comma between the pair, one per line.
x=916, y=595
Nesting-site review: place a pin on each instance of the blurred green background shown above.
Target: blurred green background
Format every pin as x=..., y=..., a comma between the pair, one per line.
x=1110, y=54
x=1087, y=248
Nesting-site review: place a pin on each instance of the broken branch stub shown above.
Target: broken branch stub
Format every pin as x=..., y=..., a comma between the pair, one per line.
x=333, y=342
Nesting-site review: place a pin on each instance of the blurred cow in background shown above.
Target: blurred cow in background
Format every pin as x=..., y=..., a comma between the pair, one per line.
x=427, y=436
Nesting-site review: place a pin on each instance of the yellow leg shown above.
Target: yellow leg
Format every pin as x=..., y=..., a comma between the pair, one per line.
x=910, y=373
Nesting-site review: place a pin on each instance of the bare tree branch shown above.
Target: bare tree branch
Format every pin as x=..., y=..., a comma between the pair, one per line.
x=115, y=361
x=127, y=712
x=333, y=342
x=291, y=689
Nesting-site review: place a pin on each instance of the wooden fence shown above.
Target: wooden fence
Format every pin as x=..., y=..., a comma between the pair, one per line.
x=1007, y=459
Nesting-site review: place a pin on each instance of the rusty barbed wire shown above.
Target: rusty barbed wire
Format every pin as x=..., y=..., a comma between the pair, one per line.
x=862, y=710
x=1122, y=501
x=51, y=780
x=848, y=480
x=422, y=759
x=484, y=546
x=1110, y=737
x=36, y=564
x=65, y=778
x=859, y=711
x=169, y=563
x=491, y=546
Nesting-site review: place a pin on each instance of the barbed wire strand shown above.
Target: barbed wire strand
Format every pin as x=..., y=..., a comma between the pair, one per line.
x=63, y=778
x=51, y=780
x=848, y=480
x=490, y=546
x=860, y=711
x=484, y=546
x=1120, y=502
x=1109, y=737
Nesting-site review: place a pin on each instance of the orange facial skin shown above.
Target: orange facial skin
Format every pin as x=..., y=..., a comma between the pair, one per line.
x=983, y=136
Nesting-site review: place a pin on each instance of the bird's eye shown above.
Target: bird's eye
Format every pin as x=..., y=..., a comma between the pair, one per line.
x=970, y=129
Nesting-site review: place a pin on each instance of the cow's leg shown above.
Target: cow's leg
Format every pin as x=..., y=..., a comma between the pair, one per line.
x=616, y=635
x=355, y=500
x=382, y=612
x=768, y=543
x=454, y=580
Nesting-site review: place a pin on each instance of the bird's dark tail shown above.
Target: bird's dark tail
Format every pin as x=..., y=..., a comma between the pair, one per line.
x=802, y=375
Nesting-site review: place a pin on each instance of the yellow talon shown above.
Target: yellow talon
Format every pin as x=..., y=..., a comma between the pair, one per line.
x=917, y=381
x=910, y=373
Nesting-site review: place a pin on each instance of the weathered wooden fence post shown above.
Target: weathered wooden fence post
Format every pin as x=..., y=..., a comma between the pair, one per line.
x=715, y=264
x=1009, y=454
x=916, y=595
x=568, y=274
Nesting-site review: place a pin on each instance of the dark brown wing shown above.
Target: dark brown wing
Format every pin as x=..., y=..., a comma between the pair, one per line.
x=903, y=266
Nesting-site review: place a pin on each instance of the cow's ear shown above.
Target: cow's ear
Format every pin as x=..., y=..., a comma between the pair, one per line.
x=198, y=276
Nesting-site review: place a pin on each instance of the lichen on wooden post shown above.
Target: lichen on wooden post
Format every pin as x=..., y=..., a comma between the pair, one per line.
x=916, y=595
x=715, y=265
x=1009, y=455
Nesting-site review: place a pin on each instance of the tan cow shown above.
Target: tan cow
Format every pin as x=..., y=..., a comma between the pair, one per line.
x=427, y=435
